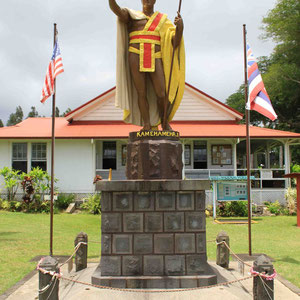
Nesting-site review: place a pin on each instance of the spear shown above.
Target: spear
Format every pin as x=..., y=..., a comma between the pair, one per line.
x=170, y=78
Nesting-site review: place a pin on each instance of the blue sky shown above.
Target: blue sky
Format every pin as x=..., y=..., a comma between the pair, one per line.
x=87, y=34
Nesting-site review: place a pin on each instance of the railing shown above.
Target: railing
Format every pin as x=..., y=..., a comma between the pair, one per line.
x=264, y=178
x=116, y=174
x=206, y=173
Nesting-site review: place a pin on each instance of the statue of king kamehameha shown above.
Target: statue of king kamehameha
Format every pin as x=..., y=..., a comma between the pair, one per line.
x=145, y=42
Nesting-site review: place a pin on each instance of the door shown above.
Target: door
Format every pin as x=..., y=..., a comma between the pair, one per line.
x=109, y=155
x=200, y=155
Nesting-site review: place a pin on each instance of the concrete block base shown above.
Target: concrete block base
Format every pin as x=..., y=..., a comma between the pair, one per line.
x=155, y=282
x=153, y=234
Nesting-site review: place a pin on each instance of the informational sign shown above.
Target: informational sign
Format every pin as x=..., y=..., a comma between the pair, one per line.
x=229, y=188
x=231, y=191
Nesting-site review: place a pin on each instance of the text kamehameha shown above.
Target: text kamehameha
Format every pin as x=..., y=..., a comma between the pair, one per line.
x=157, y=134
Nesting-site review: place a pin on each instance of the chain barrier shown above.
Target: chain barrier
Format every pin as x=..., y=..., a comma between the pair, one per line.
x=264, y=275
x=264, y=285
x=75, y=251
x=59, y=276
x=252, y=272
x=52, y=289
x=45, y=289
x=157, y=291
x=235, y=255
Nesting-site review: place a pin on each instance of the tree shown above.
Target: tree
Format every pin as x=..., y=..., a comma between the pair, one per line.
x=282, y=25
x=280, y=71
x=1, y=123
x=33, y=113
x=237, y=100
x=282, y=78
x=67, y=111
x=57, y=112
x=16, y=117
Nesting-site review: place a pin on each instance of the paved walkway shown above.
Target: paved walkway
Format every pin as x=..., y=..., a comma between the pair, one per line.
x=74, y=291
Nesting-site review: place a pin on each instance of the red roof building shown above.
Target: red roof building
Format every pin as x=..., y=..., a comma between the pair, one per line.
x=92, y=138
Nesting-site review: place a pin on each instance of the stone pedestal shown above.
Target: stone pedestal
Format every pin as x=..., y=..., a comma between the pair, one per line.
x=153, y=234
x=154, y=155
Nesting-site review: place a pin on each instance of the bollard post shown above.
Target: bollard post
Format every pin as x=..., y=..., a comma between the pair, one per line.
x=263, y=289
x=222, y=250
x=81, y=254
x=48, y=290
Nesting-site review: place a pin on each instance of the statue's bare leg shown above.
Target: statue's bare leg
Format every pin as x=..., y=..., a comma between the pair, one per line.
x=158, y=81
x=139, y=80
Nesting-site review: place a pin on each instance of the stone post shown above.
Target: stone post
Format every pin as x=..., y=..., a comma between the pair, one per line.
x=81, y=254
x=222, y=250
x=51, y=293
x=263, y=289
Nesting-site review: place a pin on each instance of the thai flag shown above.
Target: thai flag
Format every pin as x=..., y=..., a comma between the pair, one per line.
x=258, y=97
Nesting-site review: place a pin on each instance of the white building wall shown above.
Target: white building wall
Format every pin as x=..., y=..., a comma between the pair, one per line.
x=5, y=159
x=75, y=165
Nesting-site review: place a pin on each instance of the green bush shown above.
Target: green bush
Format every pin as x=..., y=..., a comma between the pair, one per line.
x=36, y=184
x=295, y=168
x=64, y=200
x=41, y=182
x=291, y=200
x=12, y=206
x=39, y=206
x=11, y=181
x=36, y=206
x=275, y=208
x=233, y=209
x=4, y=204
x=1, y=203
x=92, y=204
x=15, y=206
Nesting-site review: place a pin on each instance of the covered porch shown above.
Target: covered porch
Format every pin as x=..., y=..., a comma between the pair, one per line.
x=270, y=159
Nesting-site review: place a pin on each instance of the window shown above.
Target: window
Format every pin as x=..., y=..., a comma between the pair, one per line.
x=200, y=155
x=187, y=155
x=19, y=157
x=124, y=155
x=109, y=155
x=39, y=156
x=221, y=154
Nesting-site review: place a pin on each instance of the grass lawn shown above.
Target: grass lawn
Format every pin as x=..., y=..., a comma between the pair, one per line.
x=24, y=236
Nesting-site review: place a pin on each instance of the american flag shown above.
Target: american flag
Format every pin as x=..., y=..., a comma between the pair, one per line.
x=55, y=67
x=259, y=99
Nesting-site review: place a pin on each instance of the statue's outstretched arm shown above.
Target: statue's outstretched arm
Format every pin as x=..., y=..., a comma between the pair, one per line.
x=120, y=12
x=179, y=31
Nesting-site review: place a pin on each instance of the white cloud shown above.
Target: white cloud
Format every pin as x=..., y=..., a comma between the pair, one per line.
x=87, y=33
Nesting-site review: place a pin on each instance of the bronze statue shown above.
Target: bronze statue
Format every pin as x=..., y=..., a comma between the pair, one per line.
x=144, y=49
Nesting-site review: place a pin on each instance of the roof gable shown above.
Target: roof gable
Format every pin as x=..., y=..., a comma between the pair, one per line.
x=198, y=106
x=195, y=106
